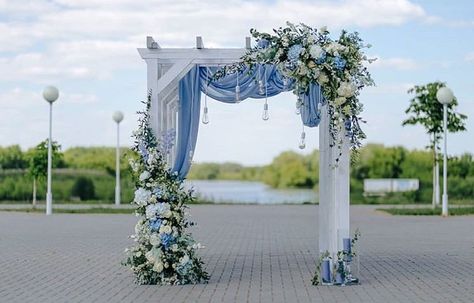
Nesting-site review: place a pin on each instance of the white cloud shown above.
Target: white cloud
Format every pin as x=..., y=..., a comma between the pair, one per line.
x=94, y=38
x=469, y=57
x=396, y=63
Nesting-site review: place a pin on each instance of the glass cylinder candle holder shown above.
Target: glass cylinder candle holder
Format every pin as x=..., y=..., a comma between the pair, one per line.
x=326, y=272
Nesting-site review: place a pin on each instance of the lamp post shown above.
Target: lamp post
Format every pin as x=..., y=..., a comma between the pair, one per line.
x=445, y=96
x=118, y=117
x=50, y=94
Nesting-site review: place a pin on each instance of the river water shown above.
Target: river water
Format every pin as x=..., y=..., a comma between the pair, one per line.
x=229, y=191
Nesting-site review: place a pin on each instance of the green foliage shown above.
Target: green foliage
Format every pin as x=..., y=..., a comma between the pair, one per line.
x=38, y=159
x=83, y=188
x=424, y=109
x=100, y=158
x=12, y=157
x=453, y=211
x=289, y=169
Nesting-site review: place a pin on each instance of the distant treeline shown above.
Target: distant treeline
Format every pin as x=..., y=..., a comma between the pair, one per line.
x=88, y=173
x=84, y=173
x=291, y=169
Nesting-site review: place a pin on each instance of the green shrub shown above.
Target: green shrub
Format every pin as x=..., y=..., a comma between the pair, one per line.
x=83, y=188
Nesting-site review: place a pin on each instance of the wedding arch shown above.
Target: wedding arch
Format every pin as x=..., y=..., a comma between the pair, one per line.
x=325, y=75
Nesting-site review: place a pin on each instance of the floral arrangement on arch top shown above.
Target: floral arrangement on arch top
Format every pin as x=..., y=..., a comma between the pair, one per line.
x=307, y=55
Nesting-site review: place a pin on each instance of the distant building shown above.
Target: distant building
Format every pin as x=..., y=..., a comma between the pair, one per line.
x=380, y=187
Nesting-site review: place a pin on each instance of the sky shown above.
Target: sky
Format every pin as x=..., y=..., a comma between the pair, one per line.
x=87, y=48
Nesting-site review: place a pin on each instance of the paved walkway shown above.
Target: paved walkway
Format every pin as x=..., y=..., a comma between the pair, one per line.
x=253, y=253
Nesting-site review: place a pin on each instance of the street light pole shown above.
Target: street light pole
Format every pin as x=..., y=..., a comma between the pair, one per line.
x=444, y=212
x=445, y=96
x=118, y=117
x=50, y=94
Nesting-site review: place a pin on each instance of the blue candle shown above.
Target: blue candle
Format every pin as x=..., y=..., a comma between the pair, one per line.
x=346, y=244
x=325, y=271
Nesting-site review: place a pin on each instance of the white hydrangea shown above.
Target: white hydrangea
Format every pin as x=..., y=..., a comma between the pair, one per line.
x=144, y=175
x=141, y=196
x=151, y=210
x=335, y=48
x=184, y=260
x=174, y=247
x=316, y=51
x=346, y=89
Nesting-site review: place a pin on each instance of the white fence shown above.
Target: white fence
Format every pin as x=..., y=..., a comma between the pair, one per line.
x=374, y=187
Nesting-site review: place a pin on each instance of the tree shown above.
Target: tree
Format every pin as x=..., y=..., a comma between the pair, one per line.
x=424, y=109
x=38, y=162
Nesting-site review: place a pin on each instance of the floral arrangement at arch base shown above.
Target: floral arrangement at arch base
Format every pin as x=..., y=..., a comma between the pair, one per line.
x=306, y=55
x=163, y=253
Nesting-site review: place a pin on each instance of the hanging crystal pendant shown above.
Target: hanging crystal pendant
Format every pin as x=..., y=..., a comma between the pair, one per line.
x=237, y=94
x=299, y=103
x=265, y=115
x=302, y=144
x=205, y=116
x=261, y=87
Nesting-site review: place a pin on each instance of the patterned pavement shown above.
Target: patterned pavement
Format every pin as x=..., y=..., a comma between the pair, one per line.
x=253, y=253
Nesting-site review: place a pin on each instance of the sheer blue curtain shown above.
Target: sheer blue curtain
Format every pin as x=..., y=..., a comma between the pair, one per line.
x=200, y=79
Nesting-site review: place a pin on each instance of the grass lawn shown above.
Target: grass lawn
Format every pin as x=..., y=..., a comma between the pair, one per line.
x=454, y=211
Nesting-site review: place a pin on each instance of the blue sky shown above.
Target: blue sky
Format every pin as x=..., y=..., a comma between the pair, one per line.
x=87, y=48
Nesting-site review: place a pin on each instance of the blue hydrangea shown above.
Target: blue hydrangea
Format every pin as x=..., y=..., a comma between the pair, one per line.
x=183, y=269
x=167, y=140
x=294, y=52
x=155, y=224
x=166, y=240
x=321, y=58
x=158, y=192
x=263, y=43
x=339, y=63
x=347, y=124
x=143, y=151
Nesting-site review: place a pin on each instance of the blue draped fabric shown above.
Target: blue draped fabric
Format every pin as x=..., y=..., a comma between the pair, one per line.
x=200, y=79
x=188, y=120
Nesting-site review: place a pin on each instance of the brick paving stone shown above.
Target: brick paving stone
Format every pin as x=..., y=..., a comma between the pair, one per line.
x=253, y=253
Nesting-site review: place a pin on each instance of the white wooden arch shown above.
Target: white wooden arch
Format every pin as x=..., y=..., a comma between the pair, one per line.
x=165, y=67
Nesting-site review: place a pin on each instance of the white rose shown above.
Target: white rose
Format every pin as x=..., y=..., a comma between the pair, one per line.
x=138, y=254
x=155, y=240
x=150, y=257
x=165, y=229
x=323, y=78
x=339, y=101
x=144, y=175
x=158, y=267
x=174, y=247
x=167, y=214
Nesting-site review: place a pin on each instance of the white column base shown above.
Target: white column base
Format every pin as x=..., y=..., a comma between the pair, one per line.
x=444, y=212
x=117, y=195
x=49, y=203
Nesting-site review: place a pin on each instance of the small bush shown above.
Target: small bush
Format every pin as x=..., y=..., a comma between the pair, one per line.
x=83, y=188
